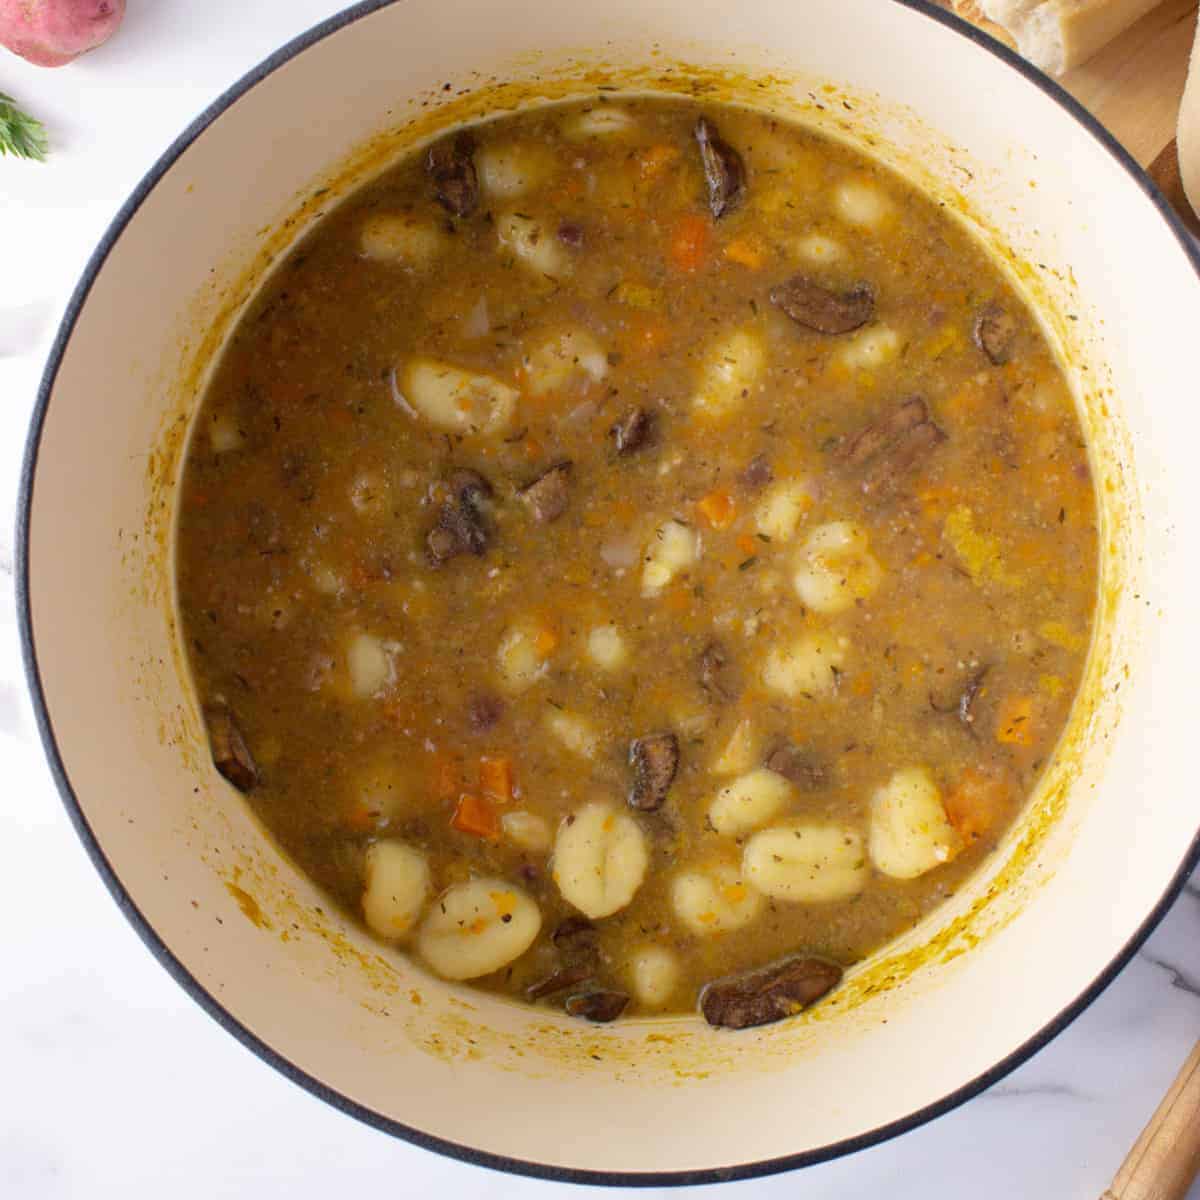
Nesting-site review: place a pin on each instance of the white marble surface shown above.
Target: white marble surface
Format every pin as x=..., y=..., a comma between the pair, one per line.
x=114, y=1082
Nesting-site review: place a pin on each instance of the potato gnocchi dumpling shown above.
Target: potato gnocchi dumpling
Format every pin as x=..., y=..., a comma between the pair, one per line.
x=862, y=204
x=562, y=358
x=910, y=833
x=401, y=238
x=714, y=899
x=574, y=733
x=654, y=974
x=527, y=830
x=458, y=400
x=369, y=665
x=870, y=349
x=533, y=245
x=806, y=862
x=606, y=647
x=507, y=171
x=397, y=886
x=748, y=802
x=837, y=568
x=673, y=547
x=728, y=374
x=477, y=927
x=809, y=667
x=600, y=122
x=600, y=859
x=783, y=508
x=523, y=656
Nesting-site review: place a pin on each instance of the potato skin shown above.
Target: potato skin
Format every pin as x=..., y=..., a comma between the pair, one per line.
x=52, y=33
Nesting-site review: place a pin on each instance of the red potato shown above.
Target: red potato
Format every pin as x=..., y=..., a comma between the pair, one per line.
x=52, y=33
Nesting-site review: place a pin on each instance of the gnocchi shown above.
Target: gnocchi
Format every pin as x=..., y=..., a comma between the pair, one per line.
x=783, y=507
x=870, y=348
x=809, y=666
x=731, y=369
x=526, y=830
x=715, y=899
x=477, y=927
x=860, y=203
x=507, y=171
x=600, y=859
x=748, y=802
x=533, y=245
x=806, y=862
x=837, y=568
x=369, y=665
x=674, y=548
x=909, y=831
x=559, y=359
x=654, y=975
x=522, y=657
x=401, y=238
x=458, y=400
x=602, y=121
x=397, y=886
x=606, y=648
x=575, y=733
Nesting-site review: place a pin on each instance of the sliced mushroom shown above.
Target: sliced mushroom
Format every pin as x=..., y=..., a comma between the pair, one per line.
x=230, y=754
x=549, y=494
x=632, y=431
x=713, y=671
x=724, y=171
x=655, y=760
x=821, y=308
x=756, y=474
x=559, y=980
x=599, y=1006
x=798, y=766
x=451, y=167
x=460, y=528
x=769, y=993
x=995, y=332
x=888, y=448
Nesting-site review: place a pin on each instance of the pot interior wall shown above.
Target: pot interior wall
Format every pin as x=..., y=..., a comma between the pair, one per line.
x=1079, y=876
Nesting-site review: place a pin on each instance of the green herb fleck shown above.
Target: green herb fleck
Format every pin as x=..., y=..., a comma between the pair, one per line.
x=21, y=135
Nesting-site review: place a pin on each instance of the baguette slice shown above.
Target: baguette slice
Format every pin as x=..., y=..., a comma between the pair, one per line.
x=1188, y=139
x=1057, y=35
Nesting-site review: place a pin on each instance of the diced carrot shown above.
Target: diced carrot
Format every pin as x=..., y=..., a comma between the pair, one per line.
x=443, y=777
x=747, y=251
x=718, y=509
x=652, y=162
x=689, y=242
x=476, y=816
x=747, y=545
x=1014, y=721
x=496, y=778
x=546, y=641
x=977, y=804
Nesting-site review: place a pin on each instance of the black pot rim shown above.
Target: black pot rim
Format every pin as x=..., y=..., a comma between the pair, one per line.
x=205, y=999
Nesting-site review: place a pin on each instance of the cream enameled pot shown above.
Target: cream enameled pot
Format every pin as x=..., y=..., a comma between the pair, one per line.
x=1105, y=844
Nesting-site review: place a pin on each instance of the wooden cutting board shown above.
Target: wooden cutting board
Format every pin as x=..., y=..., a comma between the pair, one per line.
x=1134, y=86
